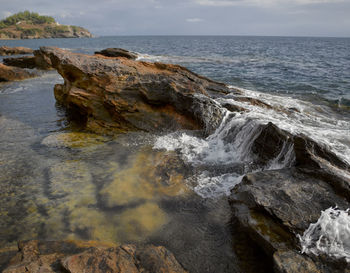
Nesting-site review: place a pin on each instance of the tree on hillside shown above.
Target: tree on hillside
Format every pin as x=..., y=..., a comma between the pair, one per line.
x=30, y=17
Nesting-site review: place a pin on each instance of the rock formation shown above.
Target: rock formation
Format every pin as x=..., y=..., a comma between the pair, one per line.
x=5, y=51
x=61, y=257
x=274, y=206
x=117, y=52
x=37, y=61
x=9, y=73
x=118, y=94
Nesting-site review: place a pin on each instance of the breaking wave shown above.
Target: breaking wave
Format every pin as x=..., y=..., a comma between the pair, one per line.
x=226, y=155
x=329, y=235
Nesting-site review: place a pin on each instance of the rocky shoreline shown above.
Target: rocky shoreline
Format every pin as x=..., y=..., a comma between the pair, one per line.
x=273, y=207
x=79, y=257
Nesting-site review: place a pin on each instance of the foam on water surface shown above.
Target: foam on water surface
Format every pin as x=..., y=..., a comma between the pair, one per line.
x=329, y=235
x=232, y=141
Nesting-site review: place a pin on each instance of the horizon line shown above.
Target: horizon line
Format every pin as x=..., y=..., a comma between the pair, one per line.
x=217, y=35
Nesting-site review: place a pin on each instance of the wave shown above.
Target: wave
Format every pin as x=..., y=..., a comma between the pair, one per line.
x=226, y=155
x=197, y=59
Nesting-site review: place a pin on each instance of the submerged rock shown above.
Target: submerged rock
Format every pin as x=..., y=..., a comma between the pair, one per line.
x=9, y=73
x=5, y=50
x=74, y=257
x=117, y=52
x=116, y=95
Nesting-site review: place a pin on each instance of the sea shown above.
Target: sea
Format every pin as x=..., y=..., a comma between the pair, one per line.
x=60, y=182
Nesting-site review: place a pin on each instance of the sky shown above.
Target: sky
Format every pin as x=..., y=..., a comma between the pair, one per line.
x=330, y=18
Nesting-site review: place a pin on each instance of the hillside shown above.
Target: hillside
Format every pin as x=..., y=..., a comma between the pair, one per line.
x=31, y=25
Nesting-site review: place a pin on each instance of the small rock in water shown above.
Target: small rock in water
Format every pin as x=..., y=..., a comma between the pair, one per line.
x=10, y=73
x=73, y=140
x=117, y=52
x=5, y=50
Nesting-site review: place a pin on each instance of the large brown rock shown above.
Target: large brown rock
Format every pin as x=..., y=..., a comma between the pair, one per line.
x=5, y=50
x=117, y=94
x=10, y=73
x=74, y=257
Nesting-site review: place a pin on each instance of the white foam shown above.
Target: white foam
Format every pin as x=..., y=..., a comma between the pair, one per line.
x=329, y=235
x=189, y=146
x=317, y=122
x=196, y=59
x=232, y=141
x=211, y=187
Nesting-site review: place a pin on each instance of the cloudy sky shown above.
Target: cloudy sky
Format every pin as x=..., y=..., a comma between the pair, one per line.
x=195, y=17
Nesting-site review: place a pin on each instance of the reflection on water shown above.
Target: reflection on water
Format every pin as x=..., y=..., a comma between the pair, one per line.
x=58, y=182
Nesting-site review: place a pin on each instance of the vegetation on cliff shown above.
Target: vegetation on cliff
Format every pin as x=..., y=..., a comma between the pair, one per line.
x=31, y=25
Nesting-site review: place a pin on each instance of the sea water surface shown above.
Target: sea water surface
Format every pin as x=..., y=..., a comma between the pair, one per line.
x=59, y=182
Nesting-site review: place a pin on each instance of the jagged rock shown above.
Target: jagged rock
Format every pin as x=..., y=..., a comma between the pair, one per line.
x=9, y=73
x=117, y=52
x=271, y=141
x=287, y=195
x=5, y=50
x=116, y=95
x=61, y=257
x=274, y=206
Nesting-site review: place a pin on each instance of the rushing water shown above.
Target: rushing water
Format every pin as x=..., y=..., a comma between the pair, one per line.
x=59, y=182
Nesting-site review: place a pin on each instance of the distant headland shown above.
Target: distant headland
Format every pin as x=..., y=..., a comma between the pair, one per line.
x=31, y=25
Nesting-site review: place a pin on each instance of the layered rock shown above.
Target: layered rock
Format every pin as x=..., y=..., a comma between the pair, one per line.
x=37, y=61
x=118, y=94
x=60, y=257
x=274, y=206
x=5, y=51
x=117, y=52
x=9, y=73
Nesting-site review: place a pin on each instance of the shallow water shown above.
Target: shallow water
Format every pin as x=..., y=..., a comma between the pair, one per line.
x=60, y=182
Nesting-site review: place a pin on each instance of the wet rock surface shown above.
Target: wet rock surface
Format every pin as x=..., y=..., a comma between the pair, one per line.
x=10, y=73
x=117, y=52
x=6, y=51
x=121, y=94
x=76, y=257
x=275, y=205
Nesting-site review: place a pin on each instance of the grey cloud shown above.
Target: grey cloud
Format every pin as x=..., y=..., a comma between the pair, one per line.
x=191, y=17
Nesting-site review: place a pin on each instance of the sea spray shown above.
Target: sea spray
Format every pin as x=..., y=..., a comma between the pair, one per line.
x=329, y=235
